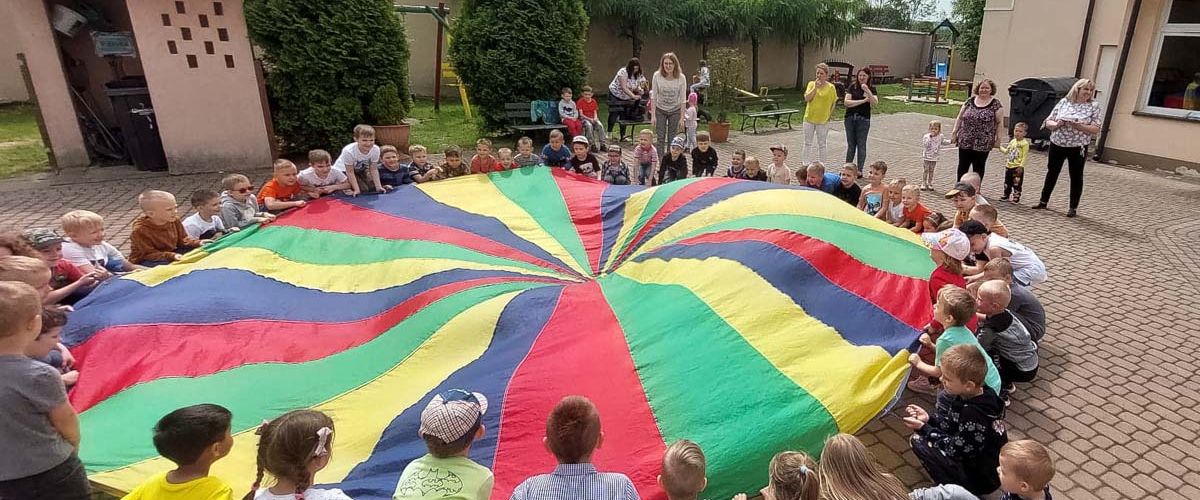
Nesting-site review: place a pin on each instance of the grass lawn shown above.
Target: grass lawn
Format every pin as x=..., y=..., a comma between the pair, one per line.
x=792, y=98
x=451, y=126
x=21, y=149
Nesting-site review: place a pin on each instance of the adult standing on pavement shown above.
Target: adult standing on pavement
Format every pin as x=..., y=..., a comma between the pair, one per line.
x=670, y=91
x=977, y=128
x=1074, y=121
x=860, y=95
x=628, y=87
x=821, y=97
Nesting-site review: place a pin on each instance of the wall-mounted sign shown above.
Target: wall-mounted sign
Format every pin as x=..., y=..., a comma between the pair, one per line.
x=114, y=44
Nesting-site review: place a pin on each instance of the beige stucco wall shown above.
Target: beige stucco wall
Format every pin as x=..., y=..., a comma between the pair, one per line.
x=1015, y=29
x=210, y=117
x=45, y=68
x=904, y=52
x=12, y=86
x=1029, y=38
x=1146, y=135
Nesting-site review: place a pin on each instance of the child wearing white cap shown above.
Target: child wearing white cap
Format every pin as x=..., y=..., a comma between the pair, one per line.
x=583, y=162
x=947, y=249
x=450, y=422
x=674, y=164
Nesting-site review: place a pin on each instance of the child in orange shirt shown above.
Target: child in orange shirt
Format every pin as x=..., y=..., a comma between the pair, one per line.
x=158, y=235
x=280, y=193
x=914, y=213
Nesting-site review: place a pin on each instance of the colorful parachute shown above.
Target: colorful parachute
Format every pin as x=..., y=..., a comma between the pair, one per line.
x=748, y=317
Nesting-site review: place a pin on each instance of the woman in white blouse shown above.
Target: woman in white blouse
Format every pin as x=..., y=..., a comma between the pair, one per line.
x=1074, y=122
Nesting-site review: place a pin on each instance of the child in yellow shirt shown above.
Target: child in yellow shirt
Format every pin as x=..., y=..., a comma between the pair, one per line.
x=1017, y=151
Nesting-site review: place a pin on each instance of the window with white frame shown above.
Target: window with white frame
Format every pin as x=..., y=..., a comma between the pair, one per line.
x=1173, y=80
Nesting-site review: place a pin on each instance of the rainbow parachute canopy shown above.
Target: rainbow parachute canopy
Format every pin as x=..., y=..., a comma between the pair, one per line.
x=748, y=317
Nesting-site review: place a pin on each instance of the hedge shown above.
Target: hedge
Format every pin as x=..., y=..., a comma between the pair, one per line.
x=325, y=61
x=518, y=50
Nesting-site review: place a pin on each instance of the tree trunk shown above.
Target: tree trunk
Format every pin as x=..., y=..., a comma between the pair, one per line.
x=799, y=64
x=754, y=64
x=704, y=49
x=637, y=40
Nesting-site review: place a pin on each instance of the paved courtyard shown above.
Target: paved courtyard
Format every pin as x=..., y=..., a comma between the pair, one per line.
x=1117, y=396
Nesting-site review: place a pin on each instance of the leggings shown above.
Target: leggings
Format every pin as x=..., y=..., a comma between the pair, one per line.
x=969, y=159
x=1075, y=158
x=666, y=124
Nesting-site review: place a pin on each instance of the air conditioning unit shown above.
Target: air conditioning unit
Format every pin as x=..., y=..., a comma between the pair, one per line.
x=67, y=21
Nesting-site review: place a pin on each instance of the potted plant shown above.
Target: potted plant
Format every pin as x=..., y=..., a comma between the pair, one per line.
x=387, y=111
x=727, y=72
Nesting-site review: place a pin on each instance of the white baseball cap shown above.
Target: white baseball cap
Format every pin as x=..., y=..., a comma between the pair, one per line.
x=953, y=242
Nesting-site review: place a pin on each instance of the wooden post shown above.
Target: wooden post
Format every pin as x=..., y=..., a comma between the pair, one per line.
x=437, y=68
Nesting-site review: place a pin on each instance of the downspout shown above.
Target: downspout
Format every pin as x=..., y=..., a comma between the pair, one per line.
x=1087, y=30
x=1116, y=88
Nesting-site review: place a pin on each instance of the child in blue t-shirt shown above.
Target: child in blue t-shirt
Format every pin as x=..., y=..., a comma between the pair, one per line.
x=954, y=308
x=556, y=154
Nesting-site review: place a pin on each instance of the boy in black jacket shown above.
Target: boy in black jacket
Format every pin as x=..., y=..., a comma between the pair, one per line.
x=674, y=165
x=704, y=157
x=960, y=444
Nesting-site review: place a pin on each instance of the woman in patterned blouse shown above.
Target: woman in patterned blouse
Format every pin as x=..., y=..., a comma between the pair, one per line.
x=1074, y=122
x=977, y=128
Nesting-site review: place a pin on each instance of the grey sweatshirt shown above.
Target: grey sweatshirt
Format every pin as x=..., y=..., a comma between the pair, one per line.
x=237, y=213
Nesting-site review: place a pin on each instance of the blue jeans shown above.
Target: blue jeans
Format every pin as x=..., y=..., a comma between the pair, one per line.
x=644, y=172
x=857, y=128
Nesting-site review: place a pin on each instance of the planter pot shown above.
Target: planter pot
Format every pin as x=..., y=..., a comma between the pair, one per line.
x=718, y=131
x=393, y=135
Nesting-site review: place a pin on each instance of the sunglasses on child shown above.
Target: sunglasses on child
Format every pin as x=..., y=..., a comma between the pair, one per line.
x=246, y=189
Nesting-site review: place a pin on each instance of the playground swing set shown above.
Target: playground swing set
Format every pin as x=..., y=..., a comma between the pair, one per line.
x=443, y=70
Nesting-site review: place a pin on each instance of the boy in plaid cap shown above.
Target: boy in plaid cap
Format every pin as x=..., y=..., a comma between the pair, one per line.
x=68, y=282
x=449, y=424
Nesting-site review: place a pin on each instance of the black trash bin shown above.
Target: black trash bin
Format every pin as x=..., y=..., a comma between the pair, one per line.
x=1031, y=100
x=135, y=117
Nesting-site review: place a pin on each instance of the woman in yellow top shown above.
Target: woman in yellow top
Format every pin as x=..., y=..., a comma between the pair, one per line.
x=821, y=98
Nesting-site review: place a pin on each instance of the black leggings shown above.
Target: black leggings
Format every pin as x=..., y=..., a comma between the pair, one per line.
x=1075, y=158
x=971, y=160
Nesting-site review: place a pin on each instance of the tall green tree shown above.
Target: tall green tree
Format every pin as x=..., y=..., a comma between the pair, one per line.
x=636, y=19
x=835, y=25
x=968, y=16
x=326, y=61
x=534, y=53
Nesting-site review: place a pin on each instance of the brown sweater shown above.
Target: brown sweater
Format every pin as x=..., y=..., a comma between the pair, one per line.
x=150, y=241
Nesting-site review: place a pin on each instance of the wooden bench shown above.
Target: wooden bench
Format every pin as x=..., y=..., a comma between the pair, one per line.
x=617, y=112
x=880, y=73
x=780, y=115
x=517, y=115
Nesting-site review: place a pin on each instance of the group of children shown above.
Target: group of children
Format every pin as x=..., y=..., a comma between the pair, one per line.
x=981, y=340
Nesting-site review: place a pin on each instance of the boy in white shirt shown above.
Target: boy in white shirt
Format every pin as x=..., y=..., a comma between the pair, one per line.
x=361, y=158
x=206, y=223
x=85, y=246
x=320, y=178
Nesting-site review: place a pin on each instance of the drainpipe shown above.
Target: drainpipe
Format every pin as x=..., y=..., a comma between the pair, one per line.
x=1087, y=30
x=1116, y=88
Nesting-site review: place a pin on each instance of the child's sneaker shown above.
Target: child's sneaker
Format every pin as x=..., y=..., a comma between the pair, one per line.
x=1003, y=198
x=922, y=385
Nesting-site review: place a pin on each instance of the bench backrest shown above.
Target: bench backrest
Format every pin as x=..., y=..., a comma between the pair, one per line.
x=517, y=112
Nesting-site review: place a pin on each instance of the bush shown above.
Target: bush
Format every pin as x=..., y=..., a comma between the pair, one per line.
x=325, y=61
x=727, y=73
x=518, y=50
x=387, y=107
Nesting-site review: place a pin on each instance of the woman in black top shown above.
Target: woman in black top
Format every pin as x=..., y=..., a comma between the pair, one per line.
x=860, y=95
